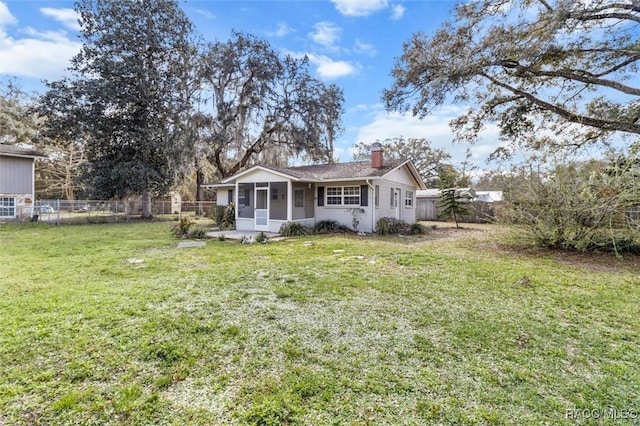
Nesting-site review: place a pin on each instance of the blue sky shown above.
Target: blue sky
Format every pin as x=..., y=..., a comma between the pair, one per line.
x=352, y=43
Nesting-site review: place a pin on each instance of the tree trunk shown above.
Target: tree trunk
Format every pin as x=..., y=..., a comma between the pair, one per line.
x=199, y=189
x=145, y=199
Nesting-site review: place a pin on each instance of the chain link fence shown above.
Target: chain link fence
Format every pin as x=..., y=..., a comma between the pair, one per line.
x=97, y=211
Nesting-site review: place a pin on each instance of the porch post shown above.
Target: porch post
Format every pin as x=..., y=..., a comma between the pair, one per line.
x=289, y=201
x=236, y=196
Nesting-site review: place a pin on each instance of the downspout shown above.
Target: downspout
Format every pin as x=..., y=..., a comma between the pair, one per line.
x=373, y=206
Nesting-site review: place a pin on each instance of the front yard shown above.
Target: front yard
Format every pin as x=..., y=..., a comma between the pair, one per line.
x=113, y=324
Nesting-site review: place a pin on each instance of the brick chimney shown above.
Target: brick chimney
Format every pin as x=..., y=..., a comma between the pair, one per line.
x=376, y=155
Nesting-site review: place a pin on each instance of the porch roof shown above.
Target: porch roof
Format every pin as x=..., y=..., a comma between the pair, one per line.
x=14, y=151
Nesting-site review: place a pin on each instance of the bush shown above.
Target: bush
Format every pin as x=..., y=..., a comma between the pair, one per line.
x=392, y=226
x=223, y=216
x=294, y=229
x=329, y=227
x=197, y=231
x=418, y=229
x=262, y=238
x=182, y=228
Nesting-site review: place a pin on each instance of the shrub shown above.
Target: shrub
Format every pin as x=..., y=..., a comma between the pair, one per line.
x=418, y=229
x=294, y=229
x=262, y=238
x=329, y=227
x=392, y=226
x=197, y=231
x=223, y=216
x=181, y=229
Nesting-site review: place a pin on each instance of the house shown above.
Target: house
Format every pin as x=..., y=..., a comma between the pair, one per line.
x=17, y=182
x=481, y=203
x=355, y=194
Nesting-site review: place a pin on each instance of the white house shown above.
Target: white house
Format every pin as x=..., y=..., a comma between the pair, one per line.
x=355, y=194
x=17, y=182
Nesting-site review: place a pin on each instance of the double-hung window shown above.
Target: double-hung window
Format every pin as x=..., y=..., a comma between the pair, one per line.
x=7, y=206
x=343, y=196
x=408, y=199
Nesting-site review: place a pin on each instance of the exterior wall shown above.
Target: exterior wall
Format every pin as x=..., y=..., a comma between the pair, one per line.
x=385, y=209
x=307, y=210
x=245, y=224
x=16, y=175
x=24, y=204
x=261, y=176
x=16, y=182
x=222, y=195
x=401, y=176
x=345, y=214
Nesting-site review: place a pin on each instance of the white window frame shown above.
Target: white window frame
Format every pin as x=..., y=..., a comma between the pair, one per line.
x=376, y=196
x=408, y=199
x=335, y=196
x=8, y=204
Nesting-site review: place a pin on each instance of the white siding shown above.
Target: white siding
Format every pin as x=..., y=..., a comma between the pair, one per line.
x=16, y=175
x=261, y=176
x=345, y=214
x=401, y=176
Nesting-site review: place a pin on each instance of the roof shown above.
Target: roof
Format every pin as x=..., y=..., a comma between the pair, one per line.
x=330, y=172
x=489, y=196
x=14, y=151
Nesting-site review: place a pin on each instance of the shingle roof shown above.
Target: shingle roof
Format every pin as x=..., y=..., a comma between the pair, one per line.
x=19, y=152
x=356, y=169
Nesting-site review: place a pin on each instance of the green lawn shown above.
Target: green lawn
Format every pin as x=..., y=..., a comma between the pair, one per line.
x=113, y=324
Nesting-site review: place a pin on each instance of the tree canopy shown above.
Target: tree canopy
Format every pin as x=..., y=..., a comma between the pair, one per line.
x=567, y=66
x=428, y=161
x=128, y=93
x=266, y=105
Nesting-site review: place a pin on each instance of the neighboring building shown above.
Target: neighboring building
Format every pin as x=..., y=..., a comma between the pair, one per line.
x=17, y=182
x=356, y=193
x=481, y=202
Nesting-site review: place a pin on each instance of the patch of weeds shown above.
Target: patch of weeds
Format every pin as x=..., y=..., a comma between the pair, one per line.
x=273, y=410
x=197, y=231
x=418, y=229
x=165, y=352
x=293, y=348
x=67, y=402
x=163, y=382
x=78, y=371
x=181, y=229
x=221, y=237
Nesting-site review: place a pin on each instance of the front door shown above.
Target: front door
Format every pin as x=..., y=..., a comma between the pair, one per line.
x=396, y=203
x=262, y=209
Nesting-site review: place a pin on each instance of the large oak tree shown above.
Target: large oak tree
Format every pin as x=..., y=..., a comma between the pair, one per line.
x=265, y=107
x=568, y=66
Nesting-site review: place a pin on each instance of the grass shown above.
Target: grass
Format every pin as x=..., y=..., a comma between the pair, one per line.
x=113, y=324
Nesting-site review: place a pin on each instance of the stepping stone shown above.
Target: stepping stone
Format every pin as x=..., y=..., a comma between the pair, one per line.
x=189, y=244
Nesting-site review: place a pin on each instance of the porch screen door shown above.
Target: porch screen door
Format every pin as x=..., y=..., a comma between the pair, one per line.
x=262, y=209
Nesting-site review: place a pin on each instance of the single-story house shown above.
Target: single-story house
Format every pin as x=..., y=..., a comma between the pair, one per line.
x=17, y=182
x=354, y=194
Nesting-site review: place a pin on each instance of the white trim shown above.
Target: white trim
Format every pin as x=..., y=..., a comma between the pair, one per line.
x=258, y=167
x=15, y=206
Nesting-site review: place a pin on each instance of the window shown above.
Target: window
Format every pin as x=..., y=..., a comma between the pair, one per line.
x=343, y=196
x=298, y=198
x=408, y=199
x=392, y=200
x=7, y=207
x=377, y=196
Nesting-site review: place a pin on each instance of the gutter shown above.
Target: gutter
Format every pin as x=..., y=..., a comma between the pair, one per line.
x=373, y=207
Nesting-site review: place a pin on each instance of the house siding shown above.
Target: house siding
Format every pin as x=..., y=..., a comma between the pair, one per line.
x=16, y=175
x=345, y=214
x=16, y=181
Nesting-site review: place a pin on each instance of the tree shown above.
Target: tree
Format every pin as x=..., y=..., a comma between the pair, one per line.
x=577, y=205
x=568, y=66
x=264, y=104
x=428, y=160
x=129, y=93
x=18, y=123
x=452, y=205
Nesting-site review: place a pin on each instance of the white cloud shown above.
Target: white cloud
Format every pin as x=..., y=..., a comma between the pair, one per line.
x=6, y=18
x=359, y=7
x=39, y=55
x=397, y=12
x=67, y=17
x=365, y=48
x=282, y=30
x=434, y=127
x=207, y=14
x=330, y=69
x=326, y=34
